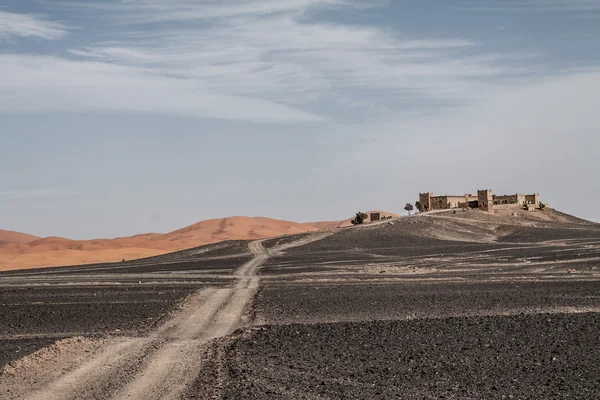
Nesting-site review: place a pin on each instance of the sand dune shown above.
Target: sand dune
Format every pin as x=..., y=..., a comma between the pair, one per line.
x=11, y=237
x=21, y=251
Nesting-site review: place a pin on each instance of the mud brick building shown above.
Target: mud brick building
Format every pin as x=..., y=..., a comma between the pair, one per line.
x=485, y=201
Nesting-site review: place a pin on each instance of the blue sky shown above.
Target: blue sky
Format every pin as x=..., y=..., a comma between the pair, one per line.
x=126, y=116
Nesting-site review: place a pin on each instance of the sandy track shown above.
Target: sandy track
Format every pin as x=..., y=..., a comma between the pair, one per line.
x=278, y=250
x=174, y=366
x=164, y=364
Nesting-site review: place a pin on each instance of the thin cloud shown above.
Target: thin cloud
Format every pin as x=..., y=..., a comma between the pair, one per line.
x=267, y=61
x=26, y=25
x=277, y=51
x=152, y=11
x=37, y=84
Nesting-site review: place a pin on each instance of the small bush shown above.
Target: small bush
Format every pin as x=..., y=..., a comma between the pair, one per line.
x=359, y=219
x=419, y=206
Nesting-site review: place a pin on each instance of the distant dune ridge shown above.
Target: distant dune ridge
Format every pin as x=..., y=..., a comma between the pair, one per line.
x=11, y=237
x=20, y=250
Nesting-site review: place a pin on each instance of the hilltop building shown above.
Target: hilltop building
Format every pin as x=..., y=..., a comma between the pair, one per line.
x=485, y=201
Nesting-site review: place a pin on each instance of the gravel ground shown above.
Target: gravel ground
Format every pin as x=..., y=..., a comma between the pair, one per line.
x=13, y=349
x=420, y=235
x=328, y=302
x=500, y=357
x=533, y=234
x=40, y=306
x=225, y=255
x=33, y=317
x=85, y=310
x=401, y=234
x=278, y=241
x=220, y=265
x=424, y=307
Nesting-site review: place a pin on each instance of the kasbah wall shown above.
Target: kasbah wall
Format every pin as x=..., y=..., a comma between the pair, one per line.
x=485, y=201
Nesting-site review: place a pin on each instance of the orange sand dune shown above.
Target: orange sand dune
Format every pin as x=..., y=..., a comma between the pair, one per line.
x=27, y=251
x=11, y=237
x=16, y=260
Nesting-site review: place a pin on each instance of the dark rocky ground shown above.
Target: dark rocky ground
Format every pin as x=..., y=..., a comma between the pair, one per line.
x=40, y=306
x=85, y=310
x=219, y=265
x=424, y=309
x=365, y=301
x=455, y=306
x=278, y=241
x=221, y=256
x=545, y=356
x=33, y=317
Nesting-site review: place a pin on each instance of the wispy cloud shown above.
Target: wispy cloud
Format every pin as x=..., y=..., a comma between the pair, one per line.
x=26, y=25
x=150, y=11
x=39, y=84
x=281, y=52
x=35, y=194
x=268, y=61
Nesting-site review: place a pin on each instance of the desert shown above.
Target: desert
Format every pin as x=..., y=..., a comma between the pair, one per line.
x=299, y=199
x=19, y=250
x=452, y=304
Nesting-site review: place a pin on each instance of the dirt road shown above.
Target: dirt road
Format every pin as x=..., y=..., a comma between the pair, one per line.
x=162, y=365
x=375, y=311
x=165, y=363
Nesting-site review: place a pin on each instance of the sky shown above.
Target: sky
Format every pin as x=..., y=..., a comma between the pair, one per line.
x=120, y=117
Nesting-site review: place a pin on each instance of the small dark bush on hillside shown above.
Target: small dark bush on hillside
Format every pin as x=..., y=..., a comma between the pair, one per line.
x=359, y=219
x=419, y=206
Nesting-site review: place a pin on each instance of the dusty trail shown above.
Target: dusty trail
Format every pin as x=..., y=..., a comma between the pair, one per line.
x=174, y=367
x=278, y=250
x=164, y=364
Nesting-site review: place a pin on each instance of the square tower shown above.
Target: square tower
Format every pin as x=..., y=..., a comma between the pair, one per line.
x=485, y=200
x=425, y=200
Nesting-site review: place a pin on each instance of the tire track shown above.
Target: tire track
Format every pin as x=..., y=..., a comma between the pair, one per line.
x=166, y=363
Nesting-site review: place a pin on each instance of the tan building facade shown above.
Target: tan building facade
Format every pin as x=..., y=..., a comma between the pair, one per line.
x=485, y=201
x=375, y=216
x=430, y=202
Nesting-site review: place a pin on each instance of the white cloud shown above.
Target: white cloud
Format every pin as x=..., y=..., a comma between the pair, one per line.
x=271, y=60
x=277, y=51
x=149, y=11
x=51, y=84
x=25, y=25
